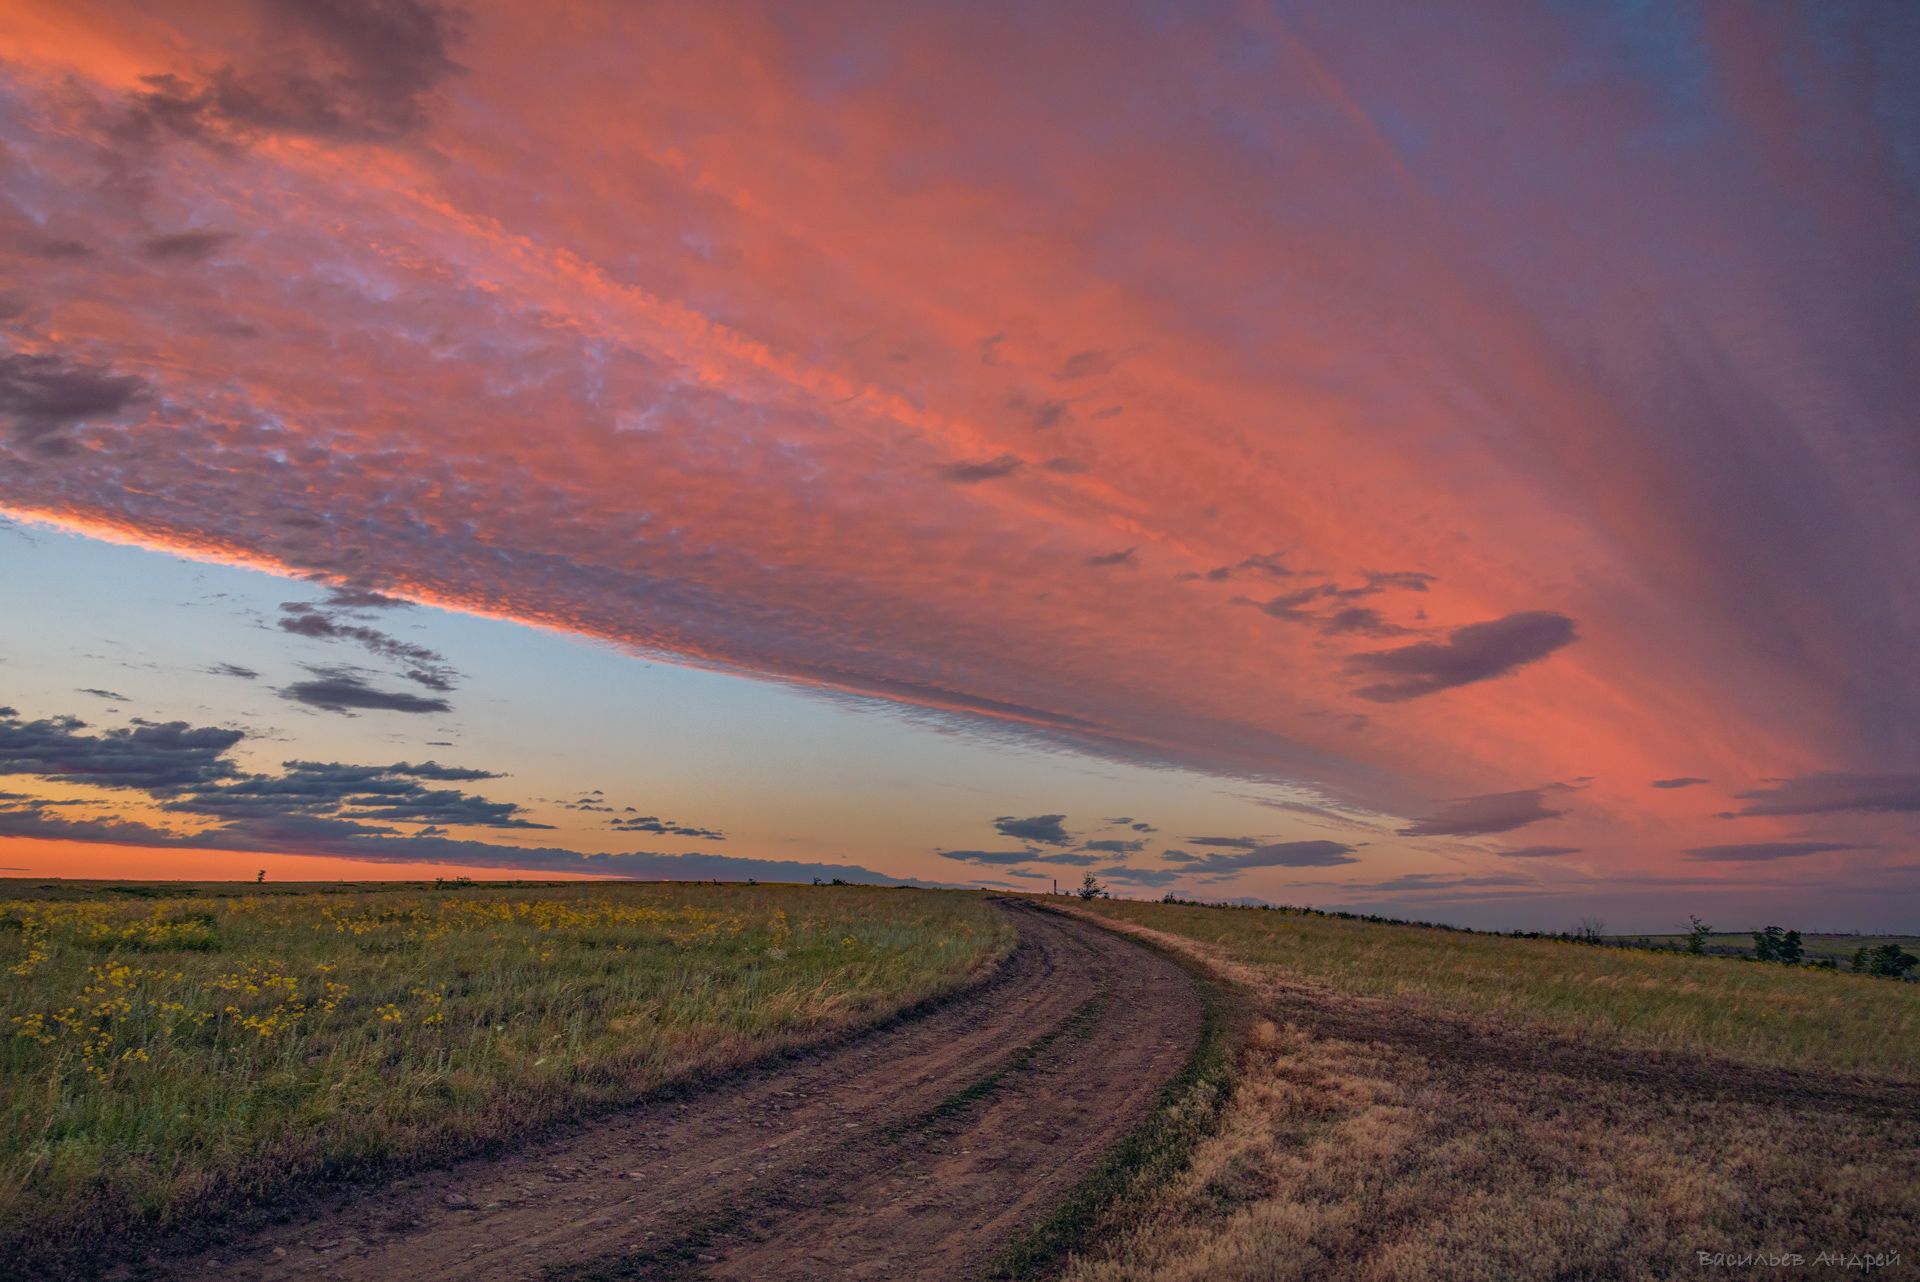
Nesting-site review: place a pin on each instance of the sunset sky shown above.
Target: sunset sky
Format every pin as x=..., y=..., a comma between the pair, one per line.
x=1459, y=461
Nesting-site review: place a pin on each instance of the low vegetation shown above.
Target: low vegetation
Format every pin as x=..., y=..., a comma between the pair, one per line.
x=168, y=1054
x=1788, y=1016
x=1425, y=1104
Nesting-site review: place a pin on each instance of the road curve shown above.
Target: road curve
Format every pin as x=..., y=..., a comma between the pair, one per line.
x=918, y=1152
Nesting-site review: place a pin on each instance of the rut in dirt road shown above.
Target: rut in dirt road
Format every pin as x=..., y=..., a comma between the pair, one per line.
x=918, y=1152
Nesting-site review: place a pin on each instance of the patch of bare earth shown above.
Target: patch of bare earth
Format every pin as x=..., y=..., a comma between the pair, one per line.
x=918, y=1152
x=1371, y=1139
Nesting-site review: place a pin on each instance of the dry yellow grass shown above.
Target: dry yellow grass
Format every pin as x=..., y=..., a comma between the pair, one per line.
x=1374, y=1138
x=1762, y=1014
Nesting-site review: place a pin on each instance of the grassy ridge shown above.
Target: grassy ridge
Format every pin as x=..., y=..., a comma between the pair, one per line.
x=169, y=1055
x=1362, y=1137
x=1764, y=1014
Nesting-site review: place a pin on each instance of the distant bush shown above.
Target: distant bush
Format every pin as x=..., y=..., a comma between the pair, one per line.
x=1090, y=888
x=1776, y=945
x=1697, y=934
x=1888, y=959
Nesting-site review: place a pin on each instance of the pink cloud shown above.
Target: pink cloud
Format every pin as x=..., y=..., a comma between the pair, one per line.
x=751, y=347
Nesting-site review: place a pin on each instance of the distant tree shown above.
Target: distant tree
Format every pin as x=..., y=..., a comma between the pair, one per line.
x=1776, y=945
x=260, y=877
x=1889, y=959
x=1591, y=930
x=1090, y=887
x=1697, y=933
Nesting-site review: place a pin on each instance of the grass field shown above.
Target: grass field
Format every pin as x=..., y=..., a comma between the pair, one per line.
x=176, y=1050
x=1420, y=1104
x=1766, y=1014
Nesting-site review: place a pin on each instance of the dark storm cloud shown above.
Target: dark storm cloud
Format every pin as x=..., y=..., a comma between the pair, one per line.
x=159, y=758
x=343, y=690
x=189, y=245
x=1537, y=852
x=982, y=470
x=1115, y=846
x=1490, y=813
x=426, y=667
x=1048, y=829
x=654, y=824
x=341, y=69
x=1123, y=557
x=1683, y=781
x=1833, y=792
x=40, y=395
x=1757, y=851
x=1476, y=652
x=233, y=670
x=98, y=693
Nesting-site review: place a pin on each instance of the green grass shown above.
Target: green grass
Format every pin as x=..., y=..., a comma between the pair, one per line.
x=170, y=1055
x=1751, y=1011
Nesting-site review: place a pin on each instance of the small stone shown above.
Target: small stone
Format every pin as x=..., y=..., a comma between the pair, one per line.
x=278, y=1253
x=455, y=1199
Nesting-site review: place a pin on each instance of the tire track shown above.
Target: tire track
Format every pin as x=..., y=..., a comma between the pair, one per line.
x=918, y=1151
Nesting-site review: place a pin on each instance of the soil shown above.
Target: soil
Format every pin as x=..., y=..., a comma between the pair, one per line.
x=920, y=1151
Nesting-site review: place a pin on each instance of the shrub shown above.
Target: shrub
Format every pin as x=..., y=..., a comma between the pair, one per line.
x=1889, y=959
x=1776, y=945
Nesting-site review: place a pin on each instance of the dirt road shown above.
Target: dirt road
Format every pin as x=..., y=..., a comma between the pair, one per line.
x=918, y=1152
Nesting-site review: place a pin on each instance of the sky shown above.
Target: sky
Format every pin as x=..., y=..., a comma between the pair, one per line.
x=1451, y=461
